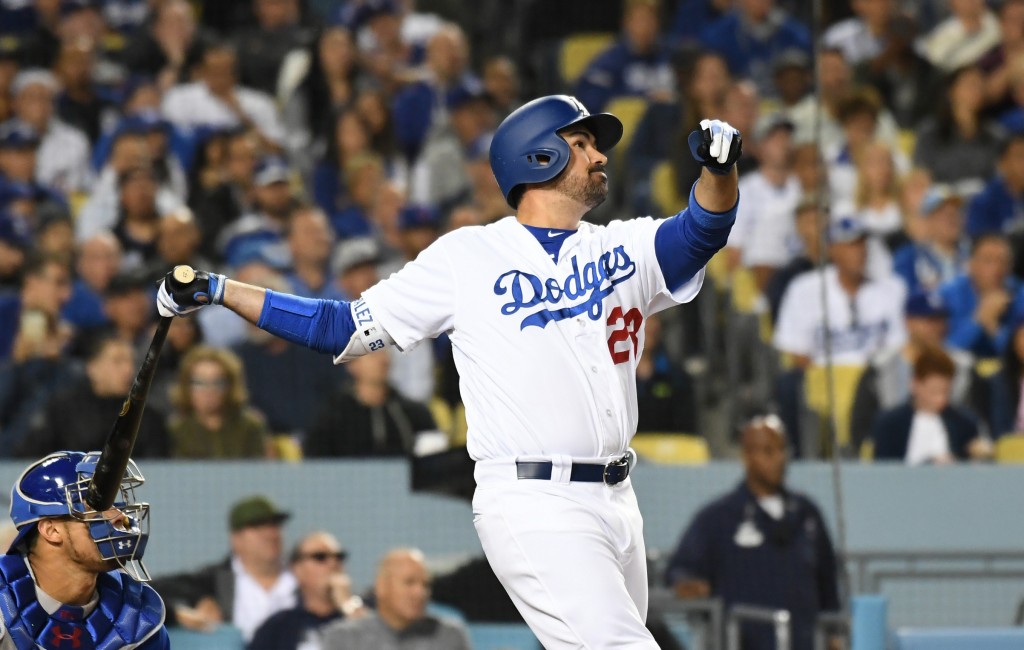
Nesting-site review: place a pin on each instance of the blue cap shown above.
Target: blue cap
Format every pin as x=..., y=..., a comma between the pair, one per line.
x=271, y=169
x=15, y=191
x=464, y=93
x=14, y=231
x=16, y=134
x=936, y=196
x=925, y=304
x=143, y=122
x=845, y=230
x=419, y=216
x=356, y=14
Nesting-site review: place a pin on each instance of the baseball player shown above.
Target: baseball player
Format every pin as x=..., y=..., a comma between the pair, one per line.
x=73, y=578
x=545, y=313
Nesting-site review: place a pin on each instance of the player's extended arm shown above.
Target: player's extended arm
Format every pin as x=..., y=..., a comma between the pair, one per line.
x=326, y=326
x=686, y=242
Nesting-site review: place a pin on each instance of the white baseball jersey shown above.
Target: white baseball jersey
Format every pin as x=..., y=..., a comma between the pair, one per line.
x=861, y=326
x=546, y=352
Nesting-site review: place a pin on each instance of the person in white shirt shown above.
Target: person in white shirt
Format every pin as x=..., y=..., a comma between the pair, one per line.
x=963, y=38
x=62, y=160
x=865, y=317
x=216, y=100
x=862, y=37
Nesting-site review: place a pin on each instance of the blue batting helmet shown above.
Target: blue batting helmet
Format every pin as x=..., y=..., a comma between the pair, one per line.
x=528, y=149
x=56, y=485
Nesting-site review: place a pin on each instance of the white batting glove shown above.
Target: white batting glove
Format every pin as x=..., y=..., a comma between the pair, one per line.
x=717, y=145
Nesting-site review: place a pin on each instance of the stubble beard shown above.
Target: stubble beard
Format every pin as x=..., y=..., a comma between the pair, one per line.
x=591, y=191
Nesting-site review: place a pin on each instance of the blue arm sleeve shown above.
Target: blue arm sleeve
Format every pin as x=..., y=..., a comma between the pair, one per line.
x=322, y=325
x=686, y=242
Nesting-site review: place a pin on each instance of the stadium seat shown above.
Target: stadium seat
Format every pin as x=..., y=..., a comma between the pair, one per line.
x=985, y=368
x=1011, y=638
x=845, y=379
x=1010, y=448
x=906, y=140
x=502, y=636
x=664, y=192
x=223, y=637
x=577, y=51
x=671, y=448
x=286, y=447
x=629, y=110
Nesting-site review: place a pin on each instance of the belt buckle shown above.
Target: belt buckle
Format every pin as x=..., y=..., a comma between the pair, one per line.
x=617, y=464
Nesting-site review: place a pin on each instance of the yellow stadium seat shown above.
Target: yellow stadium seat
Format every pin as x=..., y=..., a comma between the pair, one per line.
x=578, y=51
x=867, y=450
x=985, y=368
x=1010, y=448
x=845, y=380
x=664, y=191
x=451, y=420
x=671, y=448
x=906, y=140
x=629, y=110
x=286, y=447
x=744, y=291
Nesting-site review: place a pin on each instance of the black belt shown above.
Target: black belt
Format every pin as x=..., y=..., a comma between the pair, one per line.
x=613, y=473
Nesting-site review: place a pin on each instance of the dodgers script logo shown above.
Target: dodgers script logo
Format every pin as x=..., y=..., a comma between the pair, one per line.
x=594, y=281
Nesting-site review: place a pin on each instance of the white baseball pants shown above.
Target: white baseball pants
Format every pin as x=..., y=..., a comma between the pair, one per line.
x=570, y=554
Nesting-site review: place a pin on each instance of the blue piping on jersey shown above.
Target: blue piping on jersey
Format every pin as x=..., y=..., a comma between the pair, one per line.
x=686, y=242
x=322, y=325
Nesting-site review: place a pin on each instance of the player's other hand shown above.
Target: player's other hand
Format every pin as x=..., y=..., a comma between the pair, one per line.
x=716, y=145
x=177, y=298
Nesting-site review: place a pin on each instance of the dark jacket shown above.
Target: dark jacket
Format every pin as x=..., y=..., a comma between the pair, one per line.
x=216, y=580
x=892, y=431
x=347, y=427
x=285, y=630
x=749, y=557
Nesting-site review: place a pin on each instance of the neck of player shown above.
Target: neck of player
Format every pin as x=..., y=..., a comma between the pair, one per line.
x=64, y=581
x=544, y=207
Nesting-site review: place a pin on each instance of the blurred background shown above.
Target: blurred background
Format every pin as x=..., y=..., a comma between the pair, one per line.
x=863, y=328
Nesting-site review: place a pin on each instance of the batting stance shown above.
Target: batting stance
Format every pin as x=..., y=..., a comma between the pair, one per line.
x=73, y=578
x=545, y=314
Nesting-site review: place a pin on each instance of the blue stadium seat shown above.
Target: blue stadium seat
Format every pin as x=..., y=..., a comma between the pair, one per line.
x=501, y=636
x=1011, y=638
x=224, y=637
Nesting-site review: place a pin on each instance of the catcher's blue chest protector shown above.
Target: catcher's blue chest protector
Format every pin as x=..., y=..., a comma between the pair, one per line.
x=128, y=615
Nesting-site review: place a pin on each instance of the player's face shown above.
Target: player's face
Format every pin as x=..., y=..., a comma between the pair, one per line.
x=584, y=179
x=81, y=548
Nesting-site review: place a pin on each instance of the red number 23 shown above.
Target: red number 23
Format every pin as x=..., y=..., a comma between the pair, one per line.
x=626, y=329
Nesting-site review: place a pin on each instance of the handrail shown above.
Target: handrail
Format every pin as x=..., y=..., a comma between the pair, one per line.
x=778, y=618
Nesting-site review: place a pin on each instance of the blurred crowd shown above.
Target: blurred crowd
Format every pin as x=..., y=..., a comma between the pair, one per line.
x=315, y=146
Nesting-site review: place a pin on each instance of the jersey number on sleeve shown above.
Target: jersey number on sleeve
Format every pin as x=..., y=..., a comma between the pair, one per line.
x=626, y=330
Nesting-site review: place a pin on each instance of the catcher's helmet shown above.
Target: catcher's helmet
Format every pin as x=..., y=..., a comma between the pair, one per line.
x=56, y=485
x=527, y=148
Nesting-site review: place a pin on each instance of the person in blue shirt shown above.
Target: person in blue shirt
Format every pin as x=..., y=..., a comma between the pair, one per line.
x=999, y=207
x=982, y=300
x=752, y=36
x=636, y=65
x=942, y=251
x=761, y=544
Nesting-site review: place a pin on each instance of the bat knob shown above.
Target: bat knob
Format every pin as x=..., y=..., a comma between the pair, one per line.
x=183, y=274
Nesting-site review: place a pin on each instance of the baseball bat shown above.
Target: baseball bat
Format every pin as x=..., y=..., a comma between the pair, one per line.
x=117, y=450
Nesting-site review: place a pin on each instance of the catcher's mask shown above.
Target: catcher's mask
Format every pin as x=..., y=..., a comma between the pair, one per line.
x=56, y=485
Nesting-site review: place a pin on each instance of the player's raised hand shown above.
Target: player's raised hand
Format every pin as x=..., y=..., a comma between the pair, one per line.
x=184, y=290
x=716, y=145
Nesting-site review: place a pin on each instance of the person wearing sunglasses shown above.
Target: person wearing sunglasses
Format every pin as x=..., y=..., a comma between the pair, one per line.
x=325, y=595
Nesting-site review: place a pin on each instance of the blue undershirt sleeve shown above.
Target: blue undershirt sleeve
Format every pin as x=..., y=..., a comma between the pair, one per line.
x=686, y=242
x=322, y=325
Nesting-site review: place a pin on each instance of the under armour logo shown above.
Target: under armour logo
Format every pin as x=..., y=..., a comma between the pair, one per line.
x=59, y=637
x=123, y=544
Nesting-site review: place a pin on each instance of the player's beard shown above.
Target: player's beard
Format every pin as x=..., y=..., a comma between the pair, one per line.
x=591, y=191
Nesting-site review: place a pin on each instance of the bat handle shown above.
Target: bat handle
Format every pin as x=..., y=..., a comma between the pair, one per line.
x=182, y=275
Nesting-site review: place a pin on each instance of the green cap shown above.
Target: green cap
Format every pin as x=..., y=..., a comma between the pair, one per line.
x=255, y=510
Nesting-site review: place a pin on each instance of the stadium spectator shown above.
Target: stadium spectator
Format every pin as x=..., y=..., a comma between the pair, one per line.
x=999, y=207
x=998, y=63
x=126, y=310
x=177, y=242
x=348, y=137
x=940, y=252
x=1001, y=404
x=865, y=316
x=928, y=429
x=364, y=178
x=636, y=65
x=418, y=107
x=19, y=146
x=876, y=193
x=216, y=99
x=963, y=38
x=763, y=239
x=310, y=240
x=325, y=595
x=80, y=415
x=169, y=47
x=30, y=323
x=63, y=155
x=665, y=394
x=502, y=85
x=858, y=115
x=762, y=544
x=10, y=53
x=863, y=37
x=225, y=188
x=904, y=79
x=752, y=35
x=138, y=219
x=80, y=103
x=807, y=227
x=958, y=145
x=369, y=418
x=213, y=418
x=402, y=590
x=792, y=78
x=97, y=262
x=245, y=589
x=262, y=229
x=982, y=300
x=354, y=264
x=262, y=48
x=384, y=51
x=15, y=242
